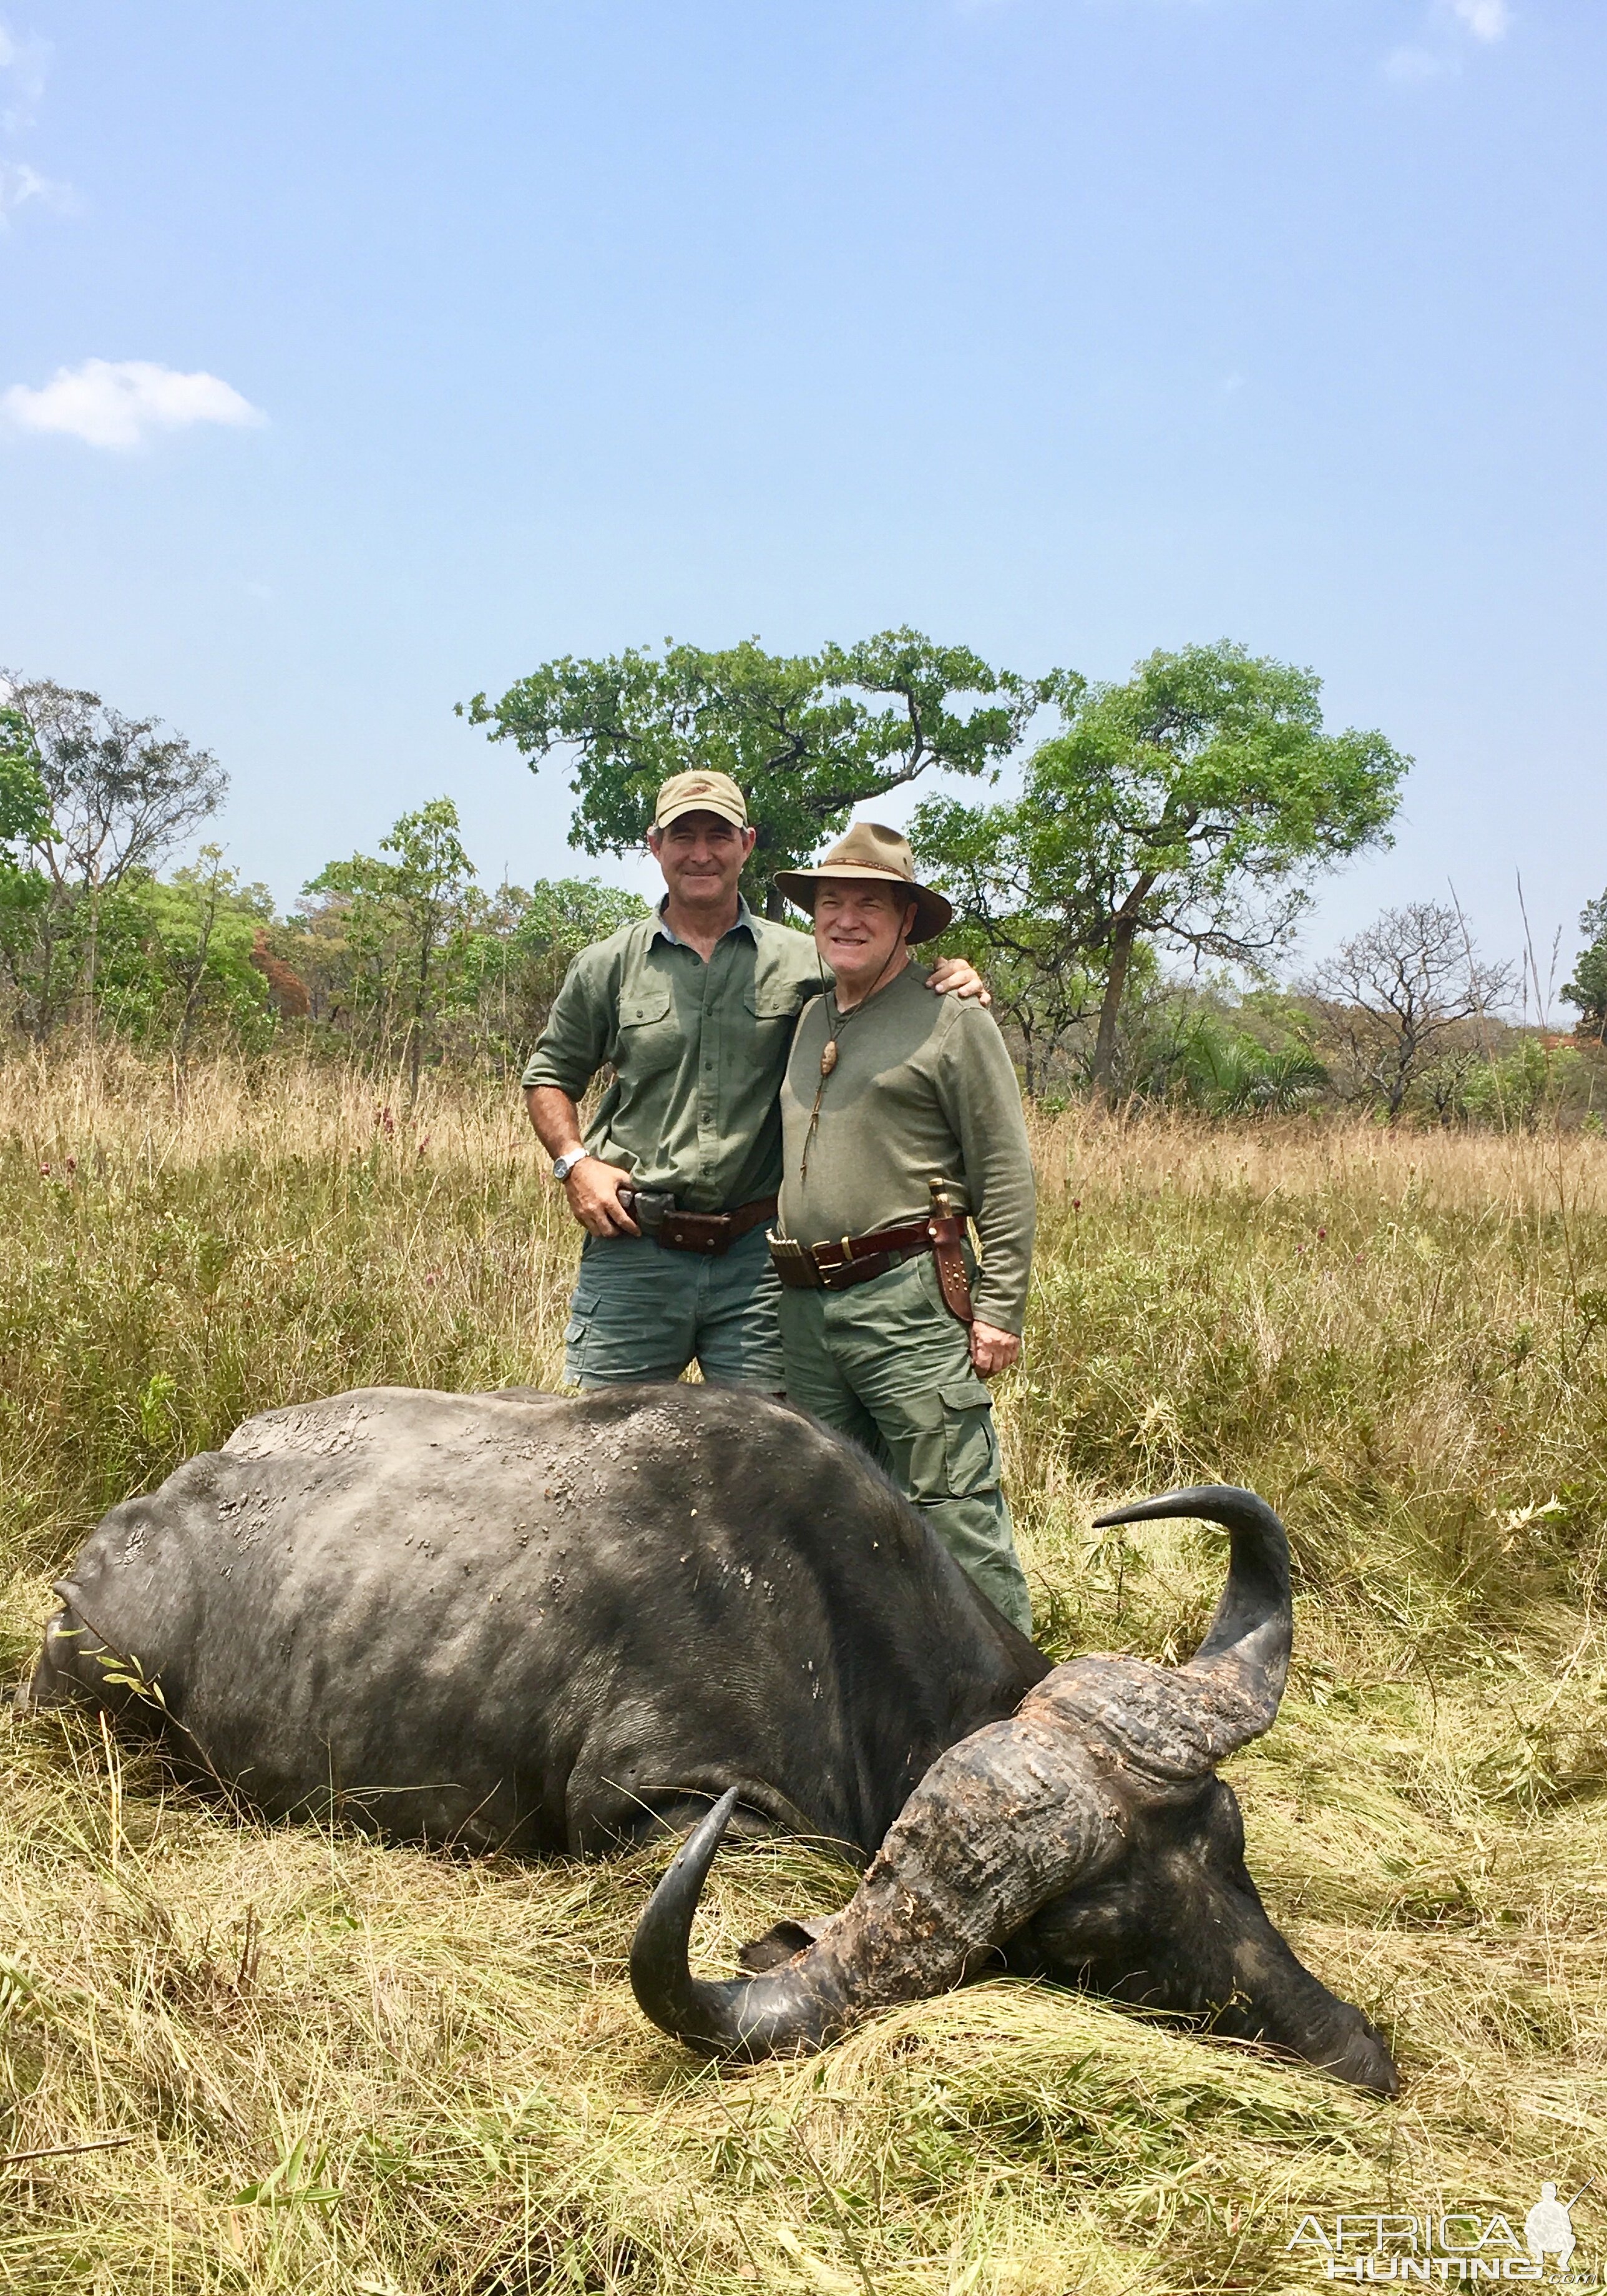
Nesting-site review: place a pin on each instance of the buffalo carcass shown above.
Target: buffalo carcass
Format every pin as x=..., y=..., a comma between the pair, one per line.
x=557, y=1624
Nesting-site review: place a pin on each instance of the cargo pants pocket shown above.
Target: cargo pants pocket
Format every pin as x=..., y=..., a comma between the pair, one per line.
x=954, y=1451
x=575, y=1334
x=971, y=1445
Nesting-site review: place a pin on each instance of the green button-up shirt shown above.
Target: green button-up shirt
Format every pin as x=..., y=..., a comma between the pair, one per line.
x=698, y=1051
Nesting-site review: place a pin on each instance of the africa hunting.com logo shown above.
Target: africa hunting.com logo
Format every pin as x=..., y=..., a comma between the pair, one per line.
x=1454, y=2245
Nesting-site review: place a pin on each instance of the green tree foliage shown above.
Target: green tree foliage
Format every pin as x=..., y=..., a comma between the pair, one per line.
x=1227, y=1071
x=1042, y=988
x=402, y=952
x=1526, y=1087
x=24, y=805
x=515, y=959
x=1188, y=807
x=177, y=958
x=403, y=920
x=209, y=925
x=1041, y=962
x=24, y=817
x=807, y=737
x=1587, y=990
x=118, y=793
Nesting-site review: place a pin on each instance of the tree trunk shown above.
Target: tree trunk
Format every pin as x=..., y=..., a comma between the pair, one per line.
x=95, y=952
x=1401, y=1076
x=1123, y=936
x=198, y=979
x=416, y=1046
x=44, y=1009
x=1029, y=1075
x=776, y=904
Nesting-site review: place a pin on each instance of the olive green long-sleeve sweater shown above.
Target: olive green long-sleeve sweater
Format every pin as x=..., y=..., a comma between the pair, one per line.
x=924, y=1089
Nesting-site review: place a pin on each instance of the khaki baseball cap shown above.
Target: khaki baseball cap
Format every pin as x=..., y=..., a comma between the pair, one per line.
x=870, y=851
x=699, y=792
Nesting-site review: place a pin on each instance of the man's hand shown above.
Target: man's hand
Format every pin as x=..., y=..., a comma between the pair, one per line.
x=992, y=1350
x=956, y=976
x=593, y=1189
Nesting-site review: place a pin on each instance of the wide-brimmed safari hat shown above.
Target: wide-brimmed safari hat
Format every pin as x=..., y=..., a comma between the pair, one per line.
x=867, y=852
x=701, y=792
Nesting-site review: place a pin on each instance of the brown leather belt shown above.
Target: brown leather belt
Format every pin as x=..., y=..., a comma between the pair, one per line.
x=713, y=1232
x=861, y=1259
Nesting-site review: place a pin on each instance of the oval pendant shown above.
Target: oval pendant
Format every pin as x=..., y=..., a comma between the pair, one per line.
x=828, y=1059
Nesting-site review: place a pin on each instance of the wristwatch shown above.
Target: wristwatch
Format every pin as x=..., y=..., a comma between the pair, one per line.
x=565, y=1165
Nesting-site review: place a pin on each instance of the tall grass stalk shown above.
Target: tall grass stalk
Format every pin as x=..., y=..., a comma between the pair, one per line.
x=318, y=2063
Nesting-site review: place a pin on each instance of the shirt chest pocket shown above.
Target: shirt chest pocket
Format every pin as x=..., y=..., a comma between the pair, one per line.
x=772, y=1010
x=648, y=1035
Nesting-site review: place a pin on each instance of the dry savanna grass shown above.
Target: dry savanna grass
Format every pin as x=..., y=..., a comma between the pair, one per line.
x=316, y=2062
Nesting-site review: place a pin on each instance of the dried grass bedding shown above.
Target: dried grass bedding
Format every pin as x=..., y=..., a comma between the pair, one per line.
x=314, y=2062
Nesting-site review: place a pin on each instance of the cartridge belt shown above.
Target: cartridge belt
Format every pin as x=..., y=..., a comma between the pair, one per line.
x=861, y=1259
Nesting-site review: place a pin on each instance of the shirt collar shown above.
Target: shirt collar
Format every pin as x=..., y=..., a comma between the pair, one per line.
x=663, y=928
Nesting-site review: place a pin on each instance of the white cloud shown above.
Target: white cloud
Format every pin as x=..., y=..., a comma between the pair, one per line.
x=19, y=183
x=1485, y=20
x=119, y=402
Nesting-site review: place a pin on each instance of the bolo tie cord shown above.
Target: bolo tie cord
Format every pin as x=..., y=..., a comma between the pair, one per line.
x=836, y=1022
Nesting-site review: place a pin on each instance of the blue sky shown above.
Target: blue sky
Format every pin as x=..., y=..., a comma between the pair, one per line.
x=1061, y=328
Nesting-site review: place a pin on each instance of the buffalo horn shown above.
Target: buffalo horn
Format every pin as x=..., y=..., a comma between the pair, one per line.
x=1242, y=1665
x=999, y=1822
x=795, y=2008
x=1006, y=1819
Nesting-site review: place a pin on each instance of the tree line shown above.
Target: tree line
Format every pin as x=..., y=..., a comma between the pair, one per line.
x=1185, y=813
x=399, y=956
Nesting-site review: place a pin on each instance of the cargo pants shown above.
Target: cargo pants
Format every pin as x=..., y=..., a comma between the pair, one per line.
x=642, y=1312
x=889, y=1365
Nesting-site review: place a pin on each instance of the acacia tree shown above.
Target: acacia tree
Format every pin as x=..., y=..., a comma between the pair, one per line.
x=119, y=793
x=1588, y=988
x=1395, y=997
x=807, y=737
x=1188, y=807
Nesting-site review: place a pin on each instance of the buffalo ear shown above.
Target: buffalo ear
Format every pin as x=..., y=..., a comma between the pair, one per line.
x=777, y=1947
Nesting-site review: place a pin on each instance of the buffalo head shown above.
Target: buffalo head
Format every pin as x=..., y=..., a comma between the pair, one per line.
x=1086, y=1840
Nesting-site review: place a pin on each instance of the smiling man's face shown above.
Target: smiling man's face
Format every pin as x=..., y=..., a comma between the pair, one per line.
x=701, y=855
x=860, y=930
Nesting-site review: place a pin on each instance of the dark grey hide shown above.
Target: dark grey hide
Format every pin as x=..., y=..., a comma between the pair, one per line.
x=554, y=1625
x=535, y=1622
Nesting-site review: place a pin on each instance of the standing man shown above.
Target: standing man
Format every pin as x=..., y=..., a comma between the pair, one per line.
x=675, y=1182
x=900, y=1117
